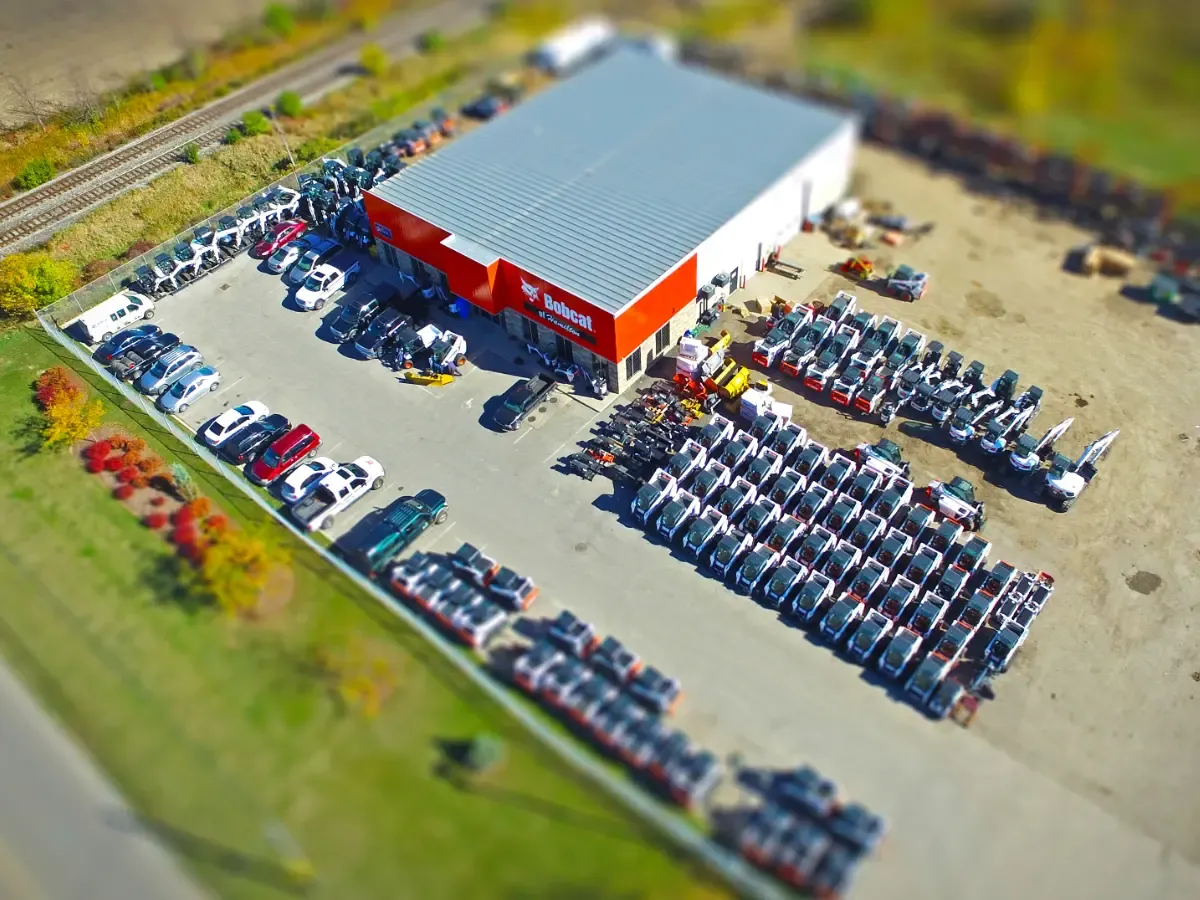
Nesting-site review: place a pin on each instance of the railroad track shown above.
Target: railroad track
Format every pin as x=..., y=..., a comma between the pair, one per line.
x=33, y=216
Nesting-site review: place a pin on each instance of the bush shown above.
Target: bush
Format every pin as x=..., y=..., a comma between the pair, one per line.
x=315, y=10
x=70, y=420
x=137, y=248
x=156, y=520
x=99, y=450
x=431, y=42
x=158, y=501
x=36, y=171
x=314, y=148
x=113, y=464
x=95, y=466
x=184, y=515
x=127, y=474
x=97, y=269
x=254, y=123
x=232, y=136
x=373, y=60
x=279, y=20
x=193, y=552
x=485, y=752
x=29, y=281
x=56, y=385
x=151, y=465
x=289, y=104
x=131, y=457
x=184, y=534
x=123, y=491
x=216, y=525
x=200, y=508
x=194, y=64
x=191, y=153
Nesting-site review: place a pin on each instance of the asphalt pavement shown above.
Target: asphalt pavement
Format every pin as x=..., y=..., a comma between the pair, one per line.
x=966, y=819
x=65, y=833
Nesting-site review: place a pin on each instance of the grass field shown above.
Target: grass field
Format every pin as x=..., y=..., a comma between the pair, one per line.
x=1117, y=85
x=214, y=731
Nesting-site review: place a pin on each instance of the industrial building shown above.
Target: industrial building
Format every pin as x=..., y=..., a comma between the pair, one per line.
x=599, y=218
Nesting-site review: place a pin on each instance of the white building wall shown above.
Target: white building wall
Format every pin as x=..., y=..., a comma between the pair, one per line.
x=778, y=213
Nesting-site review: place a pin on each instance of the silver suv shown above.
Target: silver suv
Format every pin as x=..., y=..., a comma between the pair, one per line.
x=317, y=255
x=169, y=369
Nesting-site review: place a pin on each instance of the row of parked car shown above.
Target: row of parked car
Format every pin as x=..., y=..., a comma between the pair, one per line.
x=842, y=543
x=282, y=456
x=604, y=691
x=159, y=365
x=805, y=835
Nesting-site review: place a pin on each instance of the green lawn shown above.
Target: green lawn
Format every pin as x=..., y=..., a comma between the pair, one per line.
x=216, y=731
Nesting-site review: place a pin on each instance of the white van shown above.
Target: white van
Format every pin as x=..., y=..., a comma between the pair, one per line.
x=119, y=311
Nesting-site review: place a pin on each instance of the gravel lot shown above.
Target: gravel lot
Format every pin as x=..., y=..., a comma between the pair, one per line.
x=1078, y=781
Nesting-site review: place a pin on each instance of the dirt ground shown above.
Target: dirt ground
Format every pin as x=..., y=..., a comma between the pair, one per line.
x=58, y=48
x=1104, y=698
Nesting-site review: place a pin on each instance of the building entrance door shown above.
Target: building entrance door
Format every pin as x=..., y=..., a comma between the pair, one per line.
x=565, y=349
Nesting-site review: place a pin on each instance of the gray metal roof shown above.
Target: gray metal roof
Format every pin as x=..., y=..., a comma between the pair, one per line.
x=603, y=183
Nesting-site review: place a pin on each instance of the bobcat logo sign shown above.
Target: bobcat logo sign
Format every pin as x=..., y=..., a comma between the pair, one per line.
x=556, y=313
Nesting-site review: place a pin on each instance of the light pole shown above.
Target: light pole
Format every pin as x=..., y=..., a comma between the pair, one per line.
x=282, y=137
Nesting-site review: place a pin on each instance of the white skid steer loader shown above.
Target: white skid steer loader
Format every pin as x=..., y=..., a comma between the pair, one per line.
x=1066, y=481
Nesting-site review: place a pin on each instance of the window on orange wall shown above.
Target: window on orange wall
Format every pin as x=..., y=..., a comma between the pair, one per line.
x=662, y=340
x=633, y=363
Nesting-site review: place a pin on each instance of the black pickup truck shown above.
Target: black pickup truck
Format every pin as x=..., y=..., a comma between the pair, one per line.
x=522, y=399
x=131, y=363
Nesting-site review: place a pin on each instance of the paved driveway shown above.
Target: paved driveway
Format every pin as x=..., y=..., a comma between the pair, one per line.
x=65, y=834
x=967, y=820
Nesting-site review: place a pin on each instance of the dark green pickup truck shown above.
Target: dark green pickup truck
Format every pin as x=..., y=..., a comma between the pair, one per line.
x=403, y=522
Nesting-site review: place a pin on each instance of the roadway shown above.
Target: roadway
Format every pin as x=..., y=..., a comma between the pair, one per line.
x=65, y=833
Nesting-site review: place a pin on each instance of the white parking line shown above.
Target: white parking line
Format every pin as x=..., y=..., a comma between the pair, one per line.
x=554, y=455
x=445, y=531
x=588, y=423
x=524, y=434
x=228, y=386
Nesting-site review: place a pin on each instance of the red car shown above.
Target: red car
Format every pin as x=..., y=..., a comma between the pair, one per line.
x=280, y=234
x=283, y=453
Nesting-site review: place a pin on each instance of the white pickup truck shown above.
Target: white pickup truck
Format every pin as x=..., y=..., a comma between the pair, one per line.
x=327, y=279
x=336, y=492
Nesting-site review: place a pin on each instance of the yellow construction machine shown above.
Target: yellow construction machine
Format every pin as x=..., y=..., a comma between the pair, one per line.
x=721, y=344
x=736, y=384
x=428, y=376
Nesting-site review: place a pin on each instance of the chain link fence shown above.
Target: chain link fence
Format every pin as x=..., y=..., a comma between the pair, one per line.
x=748, y=881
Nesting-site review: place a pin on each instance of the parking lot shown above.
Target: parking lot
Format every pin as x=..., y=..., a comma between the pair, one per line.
x=1076, y=781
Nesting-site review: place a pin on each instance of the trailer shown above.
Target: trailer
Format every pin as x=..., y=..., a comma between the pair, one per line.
x=574, y=46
